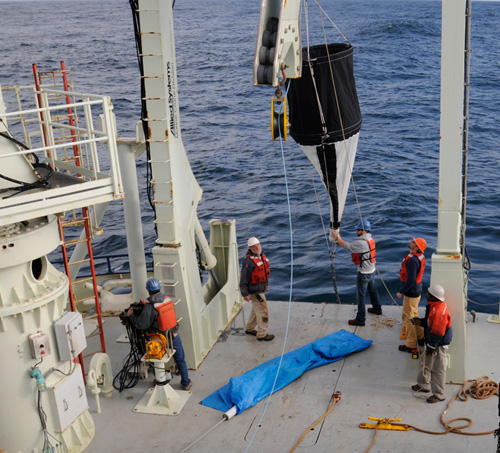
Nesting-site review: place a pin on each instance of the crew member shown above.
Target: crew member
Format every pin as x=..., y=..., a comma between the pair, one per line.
x=411, y=272
x=147, y=320
x=438, y=335
x=363, y=256
x=254, y=282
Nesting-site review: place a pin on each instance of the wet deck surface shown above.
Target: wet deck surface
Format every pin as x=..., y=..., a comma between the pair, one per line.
x=375, y=382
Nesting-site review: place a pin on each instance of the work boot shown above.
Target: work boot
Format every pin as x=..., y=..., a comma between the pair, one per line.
x=251, y=332
x=434, y=399
x=355, y=322
x=373, y=311
x=417, y=388
x=404, y=348
x=268, y=337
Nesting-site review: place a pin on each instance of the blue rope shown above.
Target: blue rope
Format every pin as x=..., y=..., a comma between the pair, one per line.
x=291, y=280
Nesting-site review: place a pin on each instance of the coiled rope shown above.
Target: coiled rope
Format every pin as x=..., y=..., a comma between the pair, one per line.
x=480, y=389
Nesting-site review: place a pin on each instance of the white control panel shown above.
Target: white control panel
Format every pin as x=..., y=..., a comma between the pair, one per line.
x=70, y=335
x=39, y=345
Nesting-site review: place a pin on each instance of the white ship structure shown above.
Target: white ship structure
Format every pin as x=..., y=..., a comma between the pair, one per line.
x=70, y=164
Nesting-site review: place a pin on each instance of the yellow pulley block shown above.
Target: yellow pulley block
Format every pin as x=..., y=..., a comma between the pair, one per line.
x=156, y=347
x=385, y=423
x=279, y=120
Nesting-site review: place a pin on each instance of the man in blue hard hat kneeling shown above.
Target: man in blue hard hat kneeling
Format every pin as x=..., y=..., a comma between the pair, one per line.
x=147, y=320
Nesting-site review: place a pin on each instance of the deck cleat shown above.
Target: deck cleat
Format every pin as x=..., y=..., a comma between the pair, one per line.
x=385, y=423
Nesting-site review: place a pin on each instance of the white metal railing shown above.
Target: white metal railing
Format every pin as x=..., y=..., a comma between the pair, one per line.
x=79, y=150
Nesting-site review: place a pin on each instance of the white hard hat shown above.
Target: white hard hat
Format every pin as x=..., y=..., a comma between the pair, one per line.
x=253, y=241
x=437, y=291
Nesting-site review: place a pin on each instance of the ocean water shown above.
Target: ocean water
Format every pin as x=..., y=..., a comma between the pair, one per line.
x=225, y=129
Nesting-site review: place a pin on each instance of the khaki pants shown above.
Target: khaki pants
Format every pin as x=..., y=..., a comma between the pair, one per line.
x=410, y=310
x=259, y=316
x=432, y=370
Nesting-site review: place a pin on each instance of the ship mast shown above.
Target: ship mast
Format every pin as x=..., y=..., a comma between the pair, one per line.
x=448, y=261
x=206, y=311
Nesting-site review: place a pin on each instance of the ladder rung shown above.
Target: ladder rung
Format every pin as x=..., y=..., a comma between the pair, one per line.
x=79, y=262
x=82, y=280
x=93, y=334
x=92, y=316
x=83, y=300
x=75, y=241
x=92, y=353
x=73, y=222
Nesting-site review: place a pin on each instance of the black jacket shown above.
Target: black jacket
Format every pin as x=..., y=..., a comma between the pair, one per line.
x=147, y=320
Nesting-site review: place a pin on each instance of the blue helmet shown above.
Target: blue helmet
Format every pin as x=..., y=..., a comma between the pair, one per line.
x=153, y=284
x=364, y=225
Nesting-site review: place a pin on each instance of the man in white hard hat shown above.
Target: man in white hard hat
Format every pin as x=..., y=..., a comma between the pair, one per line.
x=254, y=282
x=438, y=335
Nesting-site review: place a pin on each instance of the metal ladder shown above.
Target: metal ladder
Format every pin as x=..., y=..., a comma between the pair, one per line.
x=81, y=219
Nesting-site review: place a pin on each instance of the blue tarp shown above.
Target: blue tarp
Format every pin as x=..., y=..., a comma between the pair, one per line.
x=248, y=389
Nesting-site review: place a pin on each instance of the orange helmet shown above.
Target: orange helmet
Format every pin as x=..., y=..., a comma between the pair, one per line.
x=421, y=243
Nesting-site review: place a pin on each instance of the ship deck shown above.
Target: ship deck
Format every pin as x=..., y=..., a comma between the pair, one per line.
x=375, y=382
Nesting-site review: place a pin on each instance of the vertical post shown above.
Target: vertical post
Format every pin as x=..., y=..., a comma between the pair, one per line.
x=447, y=262
x=133, y=221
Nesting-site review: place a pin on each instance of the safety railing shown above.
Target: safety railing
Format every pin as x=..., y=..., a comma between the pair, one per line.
x=84, y=165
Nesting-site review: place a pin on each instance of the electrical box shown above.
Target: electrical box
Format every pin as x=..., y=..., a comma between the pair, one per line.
x=39, y=345
x=67, y=397
x=70, y=335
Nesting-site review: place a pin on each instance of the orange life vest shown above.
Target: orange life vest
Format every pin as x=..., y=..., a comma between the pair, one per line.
x=166, y=314
x=260, y=272
x=358, y=258
x=403, y=273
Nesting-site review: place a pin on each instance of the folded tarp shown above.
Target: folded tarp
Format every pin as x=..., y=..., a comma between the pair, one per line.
x=248, y=389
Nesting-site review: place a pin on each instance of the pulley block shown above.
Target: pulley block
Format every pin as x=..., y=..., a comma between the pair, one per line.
x=279, y=120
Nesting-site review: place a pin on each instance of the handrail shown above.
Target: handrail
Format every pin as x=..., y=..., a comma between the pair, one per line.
x=108, y=258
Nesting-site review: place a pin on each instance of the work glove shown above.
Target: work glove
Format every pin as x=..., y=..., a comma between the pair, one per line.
x=334, y=234
x=416, y=321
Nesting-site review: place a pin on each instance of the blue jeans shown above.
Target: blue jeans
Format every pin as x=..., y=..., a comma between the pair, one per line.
x=180, y=360
x=364, y=282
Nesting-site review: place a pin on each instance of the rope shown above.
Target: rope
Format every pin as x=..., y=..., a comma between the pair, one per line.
x=380, y=322
x=482, y=286
x=331, y=252
x=482, y=303
x=203, y=435
x=481, y=388
x=331, y=21
x=338, y=109
x=320, y=109
x=335, y=398
x=290, y=294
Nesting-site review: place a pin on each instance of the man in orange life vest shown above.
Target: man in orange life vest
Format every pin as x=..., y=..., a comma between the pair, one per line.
x=363, y=256
x=411, y=272
x=147, y=320
x=254, y=282
x=438, y=335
